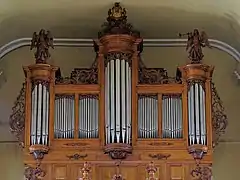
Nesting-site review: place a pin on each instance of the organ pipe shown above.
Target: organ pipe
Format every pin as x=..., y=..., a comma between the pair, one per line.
x=40, y=113
x=88, y=116
x=147, y=116
x=172, y=121
x=196, y=114
x=118, y=101
x=64, y=117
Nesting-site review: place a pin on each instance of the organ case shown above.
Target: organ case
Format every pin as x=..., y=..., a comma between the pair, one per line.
x=118, y=119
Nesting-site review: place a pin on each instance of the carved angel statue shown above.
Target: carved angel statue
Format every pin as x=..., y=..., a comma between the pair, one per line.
x=42, y=42
x=194, y=45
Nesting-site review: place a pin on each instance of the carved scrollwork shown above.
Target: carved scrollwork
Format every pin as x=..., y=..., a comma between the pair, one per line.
x=77, y=156
x=159, y=156
x=118, y=150
x=191, y=82
x=155, y=76
x=17, y=118
x=219, y=118
x=202, y=172
x=197, y=151
x=118, y=55
x=80, y=76
x=32, y=173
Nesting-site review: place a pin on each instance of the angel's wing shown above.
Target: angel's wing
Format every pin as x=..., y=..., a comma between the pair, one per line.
x=204, y=39
x=50, y=39
x=34, y=40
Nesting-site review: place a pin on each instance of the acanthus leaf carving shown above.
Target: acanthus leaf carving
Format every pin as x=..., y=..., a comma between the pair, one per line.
x=31, y=173
x=219, y=118
x=155, y=76
x=80, y=76
x=17, y=118
x=202, y=172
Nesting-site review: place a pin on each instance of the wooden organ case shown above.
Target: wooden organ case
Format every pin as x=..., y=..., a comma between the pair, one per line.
x=118, y=119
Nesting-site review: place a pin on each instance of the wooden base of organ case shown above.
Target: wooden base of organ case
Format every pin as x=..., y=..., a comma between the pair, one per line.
x=67, y=164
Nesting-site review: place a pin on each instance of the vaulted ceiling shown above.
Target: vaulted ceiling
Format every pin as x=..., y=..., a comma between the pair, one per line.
x=153, y=18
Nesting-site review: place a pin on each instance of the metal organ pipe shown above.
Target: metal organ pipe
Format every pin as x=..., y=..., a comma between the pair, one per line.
x=147, y=116
x=88, y=116
x=172, y=121
x=196, y=114
x=118, y=101
x=40, y=114
x=64, y=117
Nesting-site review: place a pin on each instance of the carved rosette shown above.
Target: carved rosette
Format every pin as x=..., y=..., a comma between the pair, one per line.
x=202, y=172
x=80, y=76
x=32, y=173
x=17, y=118
x=118, y=150
x=219, y=118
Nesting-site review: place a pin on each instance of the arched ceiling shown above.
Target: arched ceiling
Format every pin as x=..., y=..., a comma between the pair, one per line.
x=154, y=18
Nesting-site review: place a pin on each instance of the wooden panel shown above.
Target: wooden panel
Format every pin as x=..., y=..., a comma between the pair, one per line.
x=60, y=172
x=176, y=172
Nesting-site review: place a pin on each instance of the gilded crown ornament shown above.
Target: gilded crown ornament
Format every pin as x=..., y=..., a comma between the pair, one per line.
x=117, y=23
x=196, y=41
x=42, y=42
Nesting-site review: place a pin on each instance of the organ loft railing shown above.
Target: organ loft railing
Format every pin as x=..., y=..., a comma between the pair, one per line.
x=119, y=106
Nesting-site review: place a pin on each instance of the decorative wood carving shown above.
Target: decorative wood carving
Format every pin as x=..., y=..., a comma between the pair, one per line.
x=159, y=156
x=117, y=175
x=118, y=55
x=151, y=171
x=155, y=76
x=32, y=173
x=202, y=173
x=38, y=151
x=42, y=42
x=77, y=156
x=17, y=118
x=76, y=144
x=194, y=45
x=160, y=144
x=197, y=151
x=86, y=170
x=80, y=76
x=118, y=150
x=219, y=118
x=117, y=23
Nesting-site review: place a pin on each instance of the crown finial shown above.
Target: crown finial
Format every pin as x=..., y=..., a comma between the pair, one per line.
x=117, y=13
x=42, y=42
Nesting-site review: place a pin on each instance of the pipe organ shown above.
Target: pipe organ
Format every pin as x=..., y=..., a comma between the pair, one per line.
x=118, y=119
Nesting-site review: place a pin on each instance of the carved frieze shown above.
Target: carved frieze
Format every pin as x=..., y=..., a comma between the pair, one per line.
x=118, y=150
x=219, y=118
x=77, y=156
x=160, y=156
x=155, y=76
x=17, y=118
x=118, y=55
x=80, y=76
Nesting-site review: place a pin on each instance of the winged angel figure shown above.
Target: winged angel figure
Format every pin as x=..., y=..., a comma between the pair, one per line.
x=42, y=42
x=195, y=43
